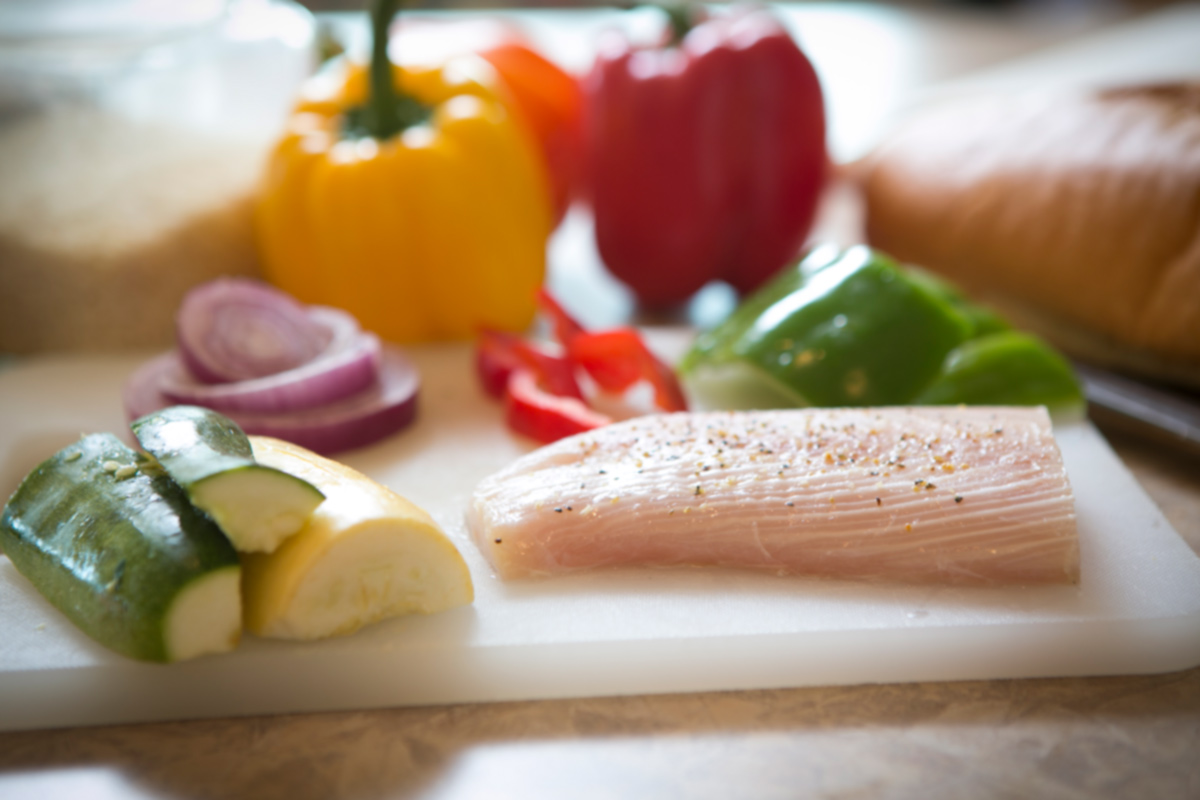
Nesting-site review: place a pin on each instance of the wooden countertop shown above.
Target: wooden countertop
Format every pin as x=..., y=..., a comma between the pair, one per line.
x=1058, y=738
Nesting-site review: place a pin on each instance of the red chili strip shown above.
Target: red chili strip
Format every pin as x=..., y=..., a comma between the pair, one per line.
x=618, y=358
x=566, y=327
x=499, y=354
x=542, y=395
x=543, y=416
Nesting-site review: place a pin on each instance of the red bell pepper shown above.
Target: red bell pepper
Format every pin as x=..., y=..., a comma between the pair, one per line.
x=706, y=157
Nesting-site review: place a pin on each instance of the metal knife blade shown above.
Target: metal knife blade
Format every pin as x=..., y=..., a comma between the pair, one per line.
x=1158, y=414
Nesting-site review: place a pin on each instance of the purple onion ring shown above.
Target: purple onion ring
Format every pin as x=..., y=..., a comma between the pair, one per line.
x=388, y=405
x=235, y=329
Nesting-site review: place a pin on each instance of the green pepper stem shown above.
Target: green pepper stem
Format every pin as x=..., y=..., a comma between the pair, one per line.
x=679, y=15
x=388, y=110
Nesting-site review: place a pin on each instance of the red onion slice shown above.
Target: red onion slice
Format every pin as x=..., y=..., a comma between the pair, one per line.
x=382, y=409
x=347, y=366
x=235, y=329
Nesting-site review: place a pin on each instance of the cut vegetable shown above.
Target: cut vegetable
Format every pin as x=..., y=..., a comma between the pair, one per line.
x=384, y=408
x=205, y=612
x=1010, y=368
x=234, y=329
x=499, y=355
x=348, y=365
x=618, y=358
x=308, y=374
x=544, y=416
x=366, y=554
x=539, y=384
x=114, y=544
x=615, y=358
x=854, y=328
x=208, y=455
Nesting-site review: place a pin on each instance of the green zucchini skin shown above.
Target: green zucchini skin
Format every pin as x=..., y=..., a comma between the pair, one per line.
x=193, y=443
x=207, y=454
x=111, y=542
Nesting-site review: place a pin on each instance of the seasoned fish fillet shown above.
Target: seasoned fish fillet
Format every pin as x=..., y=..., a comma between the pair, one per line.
x=948, y=495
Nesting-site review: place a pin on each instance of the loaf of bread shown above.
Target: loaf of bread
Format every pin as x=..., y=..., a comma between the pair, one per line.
x=1078, y=215
x=106, y=223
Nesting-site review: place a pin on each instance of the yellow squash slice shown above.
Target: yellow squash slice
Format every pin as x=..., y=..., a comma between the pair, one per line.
x=365, y=554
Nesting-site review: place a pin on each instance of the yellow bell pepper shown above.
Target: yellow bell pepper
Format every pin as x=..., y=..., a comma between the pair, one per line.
x=410, y=197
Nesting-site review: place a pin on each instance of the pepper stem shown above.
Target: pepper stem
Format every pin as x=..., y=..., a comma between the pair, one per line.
x=680, y=16
x=388, y=111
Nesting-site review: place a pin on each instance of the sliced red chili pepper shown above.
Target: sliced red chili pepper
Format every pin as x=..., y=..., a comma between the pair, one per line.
x=618, y=358
x=546, y=417
x=606, y=356
x=494, y=362
x=498, y=354
x=668, y=394
x=566, y=327
x=543, y=398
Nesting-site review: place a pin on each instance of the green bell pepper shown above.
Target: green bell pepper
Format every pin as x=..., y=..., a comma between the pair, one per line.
x=853, y=328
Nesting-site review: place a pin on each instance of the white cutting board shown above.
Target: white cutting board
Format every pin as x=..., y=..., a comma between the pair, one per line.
x=606, y=633
x=1137, y=610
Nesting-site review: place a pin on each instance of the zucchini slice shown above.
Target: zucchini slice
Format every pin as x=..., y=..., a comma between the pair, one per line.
x=210, y=457
x=114, y=544
x=366, y=554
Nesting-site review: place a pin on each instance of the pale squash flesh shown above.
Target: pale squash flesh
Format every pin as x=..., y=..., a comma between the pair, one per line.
x=365, y=554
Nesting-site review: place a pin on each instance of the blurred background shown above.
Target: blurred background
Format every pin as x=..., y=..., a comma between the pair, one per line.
x=50, y=49
x=181, y=98
x=1037, y=6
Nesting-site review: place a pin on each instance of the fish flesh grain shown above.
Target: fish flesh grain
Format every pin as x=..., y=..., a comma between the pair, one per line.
x=962, y=495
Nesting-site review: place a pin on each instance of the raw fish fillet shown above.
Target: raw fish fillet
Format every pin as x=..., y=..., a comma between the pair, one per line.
x=922, y=494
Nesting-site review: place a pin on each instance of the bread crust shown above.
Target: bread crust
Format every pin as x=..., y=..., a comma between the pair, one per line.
x=1083, y=209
